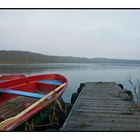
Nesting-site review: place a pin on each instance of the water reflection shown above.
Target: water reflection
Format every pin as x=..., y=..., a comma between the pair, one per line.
x=78, y=73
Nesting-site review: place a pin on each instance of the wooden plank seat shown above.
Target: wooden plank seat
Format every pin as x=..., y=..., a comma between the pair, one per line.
x=21, y=93
x=2, y=80
x=52, y=82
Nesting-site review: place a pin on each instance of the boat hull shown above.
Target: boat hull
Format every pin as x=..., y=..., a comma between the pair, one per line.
x=31, y=84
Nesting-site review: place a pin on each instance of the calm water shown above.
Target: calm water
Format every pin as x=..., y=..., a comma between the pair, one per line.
x=78, y=73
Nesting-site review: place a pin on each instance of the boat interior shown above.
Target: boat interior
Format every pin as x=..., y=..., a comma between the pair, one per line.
x=15, y=99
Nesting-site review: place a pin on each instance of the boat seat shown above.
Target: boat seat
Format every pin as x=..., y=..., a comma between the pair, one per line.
x=52, y=82
x=21, y=93
x=2, y=80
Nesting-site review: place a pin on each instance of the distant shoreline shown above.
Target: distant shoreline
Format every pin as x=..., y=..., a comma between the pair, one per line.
x=25, y=57
x=38, y=63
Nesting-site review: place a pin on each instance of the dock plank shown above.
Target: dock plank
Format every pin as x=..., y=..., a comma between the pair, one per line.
x=99, y=107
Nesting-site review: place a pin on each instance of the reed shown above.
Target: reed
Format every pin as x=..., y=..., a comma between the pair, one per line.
x=136, y=91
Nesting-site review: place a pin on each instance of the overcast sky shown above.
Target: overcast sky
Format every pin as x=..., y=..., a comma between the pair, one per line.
x=84, y=33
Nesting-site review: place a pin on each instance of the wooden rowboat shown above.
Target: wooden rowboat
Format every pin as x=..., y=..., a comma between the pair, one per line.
x=18, y=95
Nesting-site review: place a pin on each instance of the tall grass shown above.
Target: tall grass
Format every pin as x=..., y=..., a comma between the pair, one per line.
x=136, y=91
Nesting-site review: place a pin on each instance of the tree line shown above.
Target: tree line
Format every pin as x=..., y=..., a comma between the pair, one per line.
x=14, y=56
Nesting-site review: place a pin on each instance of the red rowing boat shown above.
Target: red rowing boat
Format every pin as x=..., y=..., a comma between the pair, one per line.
x=19, y=94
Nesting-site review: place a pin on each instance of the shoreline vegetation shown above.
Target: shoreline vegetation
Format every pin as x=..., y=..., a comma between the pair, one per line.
x=25, y=57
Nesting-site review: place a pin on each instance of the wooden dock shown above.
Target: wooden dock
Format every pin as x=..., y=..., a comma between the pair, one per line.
x=101, y=107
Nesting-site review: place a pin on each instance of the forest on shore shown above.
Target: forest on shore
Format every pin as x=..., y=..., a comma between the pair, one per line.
x=13, y=56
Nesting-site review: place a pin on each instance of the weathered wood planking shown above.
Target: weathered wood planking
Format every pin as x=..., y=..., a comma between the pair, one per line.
x=99, y=107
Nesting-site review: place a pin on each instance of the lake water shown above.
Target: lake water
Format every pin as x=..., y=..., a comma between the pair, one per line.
x=80, y=73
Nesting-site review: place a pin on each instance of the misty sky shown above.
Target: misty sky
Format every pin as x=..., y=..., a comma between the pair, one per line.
x=84, y=33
